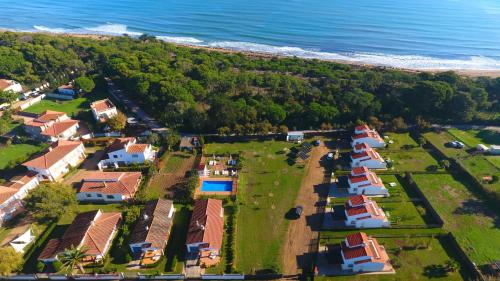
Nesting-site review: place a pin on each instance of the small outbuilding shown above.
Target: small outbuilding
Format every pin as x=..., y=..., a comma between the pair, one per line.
x=295, y=136
x=483, y=148
x=494, y=149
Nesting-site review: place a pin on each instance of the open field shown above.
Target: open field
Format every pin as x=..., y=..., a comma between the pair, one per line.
x=415, y=264
x=479, y=166
x=11, y=155
x=268, y=187
x=495, y=160
x=439, y=140
x=466, y=216
x=400, y=141
x=410, y=160
x=474, y=137
x=173, y=168
x=70, y=107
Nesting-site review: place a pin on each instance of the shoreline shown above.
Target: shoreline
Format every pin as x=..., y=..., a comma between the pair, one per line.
x=463, y=72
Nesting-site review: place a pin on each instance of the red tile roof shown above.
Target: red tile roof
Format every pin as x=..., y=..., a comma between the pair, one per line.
x=359, y=170
x=125, y=183
x=353, y=252
x=356, y=239
x=10, y=188
x=50, y=115
x=137, y=148
x=90, y=230
x=120, y=143
x=363, y=128
x=59, y=127
x=358, y=200
x=361, y=146
x=207, y=223
x=369, y=134
x=353, y=211
x=4, y=84
x=102, y=105
x=53, y=154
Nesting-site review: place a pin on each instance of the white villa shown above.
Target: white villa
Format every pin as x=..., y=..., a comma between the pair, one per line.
x=362, y=181
x=361, y=212
x=360, y=147
x=368, y=158
x=127, y=151
x=56, y=160
x=103, y=110
x=364, y=134
x=52, y=126
x=13, y=192
x=10, y=85
x=361, y=253
x=109, y=187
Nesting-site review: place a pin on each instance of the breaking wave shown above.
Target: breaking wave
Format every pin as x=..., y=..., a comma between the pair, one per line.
x=180, y=40
x=105, y=29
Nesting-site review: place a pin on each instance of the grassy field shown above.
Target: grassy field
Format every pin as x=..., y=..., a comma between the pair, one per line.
x=410, y=160
x=400, y=141
x=474, y=137
x=267, y=189
x=439, y=140
x=479, y=166
x=495, y=160
x=466, y=216
x=11, y=155
x=415, y=264
x=70, y=107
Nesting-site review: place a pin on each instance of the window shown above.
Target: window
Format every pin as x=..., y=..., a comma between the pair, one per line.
x=89, y=195
x=109, y=196
x=99, y=195
x=135, y=156
x=115, y=156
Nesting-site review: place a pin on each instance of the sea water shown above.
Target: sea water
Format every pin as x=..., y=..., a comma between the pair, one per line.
x=424, y=34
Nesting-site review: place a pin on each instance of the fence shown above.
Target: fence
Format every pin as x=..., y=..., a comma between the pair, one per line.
x=465, y=259
x=31, y=102
x=121, y=276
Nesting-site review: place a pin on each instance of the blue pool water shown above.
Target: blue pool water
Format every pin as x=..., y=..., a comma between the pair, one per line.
x=412, y=34
x=216, y=186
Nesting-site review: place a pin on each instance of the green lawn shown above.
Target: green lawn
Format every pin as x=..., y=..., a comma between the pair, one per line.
x=400, y=141
x=11, y=155
x=466, y=216
x=474, y=137
x=70, y=107
x=479, y=166
x=440, y=139
x=174, y=160
x=267, y=190
x=495, y=160
x=410, y=160
x=415, y=264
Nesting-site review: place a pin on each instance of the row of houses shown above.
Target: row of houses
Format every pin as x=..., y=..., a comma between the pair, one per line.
x=94, y=231
x=358, y=252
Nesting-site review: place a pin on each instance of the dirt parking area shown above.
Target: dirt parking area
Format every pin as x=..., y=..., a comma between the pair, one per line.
x=300, y=248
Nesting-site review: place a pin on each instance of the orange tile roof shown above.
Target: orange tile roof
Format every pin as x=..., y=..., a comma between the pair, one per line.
x=120, y=143
x=137, y=148
x=59, y=127
x=49, y=115
x=53, y=154
x=10, y=188
x=125, y=183
x=102, y=105
x=4, y=83
x=90, y=230
x=207, y=223
x=356, y=239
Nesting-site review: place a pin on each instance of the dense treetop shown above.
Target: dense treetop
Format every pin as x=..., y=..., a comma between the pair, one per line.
x=199, y=90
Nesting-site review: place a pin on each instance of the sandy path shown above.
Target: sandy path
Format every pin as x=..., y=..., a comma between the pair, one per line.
x=299, y=250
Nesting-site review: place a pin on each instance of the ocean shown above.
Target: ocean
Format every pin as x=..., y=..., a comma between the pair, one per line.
x=420, y=34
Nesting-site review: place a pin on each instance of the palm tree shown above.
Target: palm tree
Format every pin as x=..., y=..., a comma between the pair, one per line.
x=72, y=258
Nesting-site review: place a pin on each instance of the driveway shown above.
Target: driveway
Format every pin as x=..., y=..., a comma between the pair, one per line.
x=89, y=165
x=301, y=242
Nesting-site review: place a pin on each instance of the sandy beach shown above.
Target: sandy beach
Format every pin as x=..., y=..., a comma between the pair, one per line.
x=463, y=72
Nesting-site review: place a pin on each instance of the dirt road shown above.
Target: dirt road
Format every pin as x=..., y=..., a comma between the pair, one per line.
x=299, y=250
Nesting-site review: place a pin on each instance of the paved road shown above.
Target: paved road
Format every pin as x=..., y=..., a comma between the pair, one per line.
x=300, y=248
x=132, y=106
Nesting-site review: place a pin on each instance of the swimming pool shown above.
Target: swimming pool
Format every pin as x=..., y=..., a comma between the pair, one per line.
x=217, y=186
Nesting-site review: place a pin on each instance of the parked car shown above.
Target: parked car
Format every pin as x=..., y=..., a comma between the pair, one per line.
x=298, y=210
x=330, y=156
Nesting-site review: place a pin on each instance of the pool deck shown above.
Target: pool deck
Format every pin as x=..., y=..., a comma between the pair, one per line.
x=198, y=192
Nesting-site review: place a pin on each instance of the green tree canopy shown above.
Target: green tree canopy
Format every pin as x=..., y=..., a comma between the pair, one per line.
x=50, y=201
x=85, y=84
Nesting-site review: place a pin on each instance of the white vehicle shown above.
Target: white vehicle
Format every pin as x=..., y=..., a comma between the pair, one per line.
x=329, y=156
